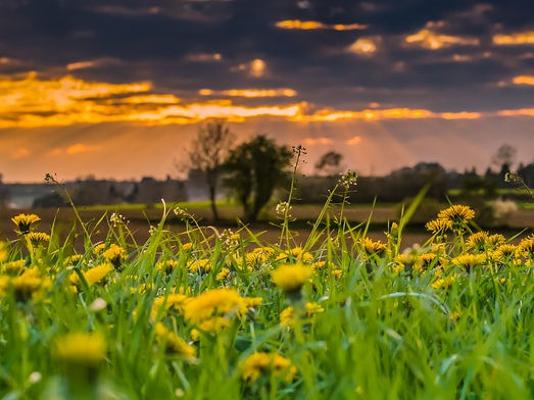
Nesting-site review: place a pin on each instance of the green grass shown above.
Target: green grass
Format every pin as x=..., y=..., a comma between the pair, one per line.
x=392, y=326
x=142, y=206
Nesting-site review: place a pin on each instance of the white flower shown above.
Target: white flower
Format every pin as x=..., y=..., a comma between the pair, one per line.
x=503, y=208
x=98, y=305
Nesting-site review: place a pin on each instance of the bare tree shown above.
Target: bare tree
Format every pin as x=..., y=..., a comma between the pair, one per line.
x=208, y=152
x=329, y=164
x=505, y=156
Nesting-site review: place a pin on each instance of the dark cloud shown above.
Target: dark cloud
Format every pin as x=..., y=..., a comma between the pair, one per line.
x=154, y=41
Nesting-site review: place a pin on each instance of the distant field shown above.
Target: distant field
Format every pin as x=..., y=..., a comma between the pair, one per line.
x=141, y=217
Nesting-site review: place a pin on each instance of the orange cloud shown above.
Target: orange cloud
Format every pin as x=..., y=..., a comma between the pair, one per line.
x=322, y=141
x=520, y=112
x=331, y=115
x=20, y=153
x=461, y=115
x=364, y=46
x=256, y=68
x=353, y=141
x=149, y=99
x=88, y=64
x=295, y=24
x=250, y=93
x=523, y=80
x=31, y=102
x=512, y=39
x=204, y=57
x=429, y=38
x=74, y=149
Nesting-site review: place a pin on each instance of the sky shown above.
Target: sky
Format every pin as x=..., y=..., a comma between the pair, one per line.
x=118, y=88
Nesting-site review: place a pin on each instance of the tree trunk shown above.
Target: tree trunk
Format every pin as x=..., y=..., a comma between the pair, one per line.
x=213, y=203
x=252, y=216
x=212, y=187
x=246, y=208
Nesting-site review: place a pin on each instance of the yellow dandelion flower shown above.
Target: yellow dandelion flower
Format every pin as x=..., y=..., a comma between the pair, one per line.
x=439, y=225
x=313, y=308
x=14, y=267
x=28, y=284
x=93, y=275
x=371, y=246
x=4, y=253
x=24, y=222
x=337, y=273
x=142, y=289
x=215, y=324
x=438, y=248
x=202, y=265
x=73, y=260
x=267, y=364
x=496, y=240
x=398, y=268
x=187, y=246
x=317, y=265
x=172, y=302
x=503, y=253
x=525, y=248
x=115, y=255
x=38, y=238
x=287, y=316
x=477, y=241
x=262, y=254
x=99, y=248
x=469, y=261
x=223, y=274
x=195, y=335
x=253, y=301
x=297, y=253
x=166, y=266
x=4, y=283
x=174, y=343
x=259, y=255
x=81, y=348
x=213, y=305
x=408, y=261
x=455, y=315
x=291, y=277
x=427, y=259
x=457, y=214
x=445, y=282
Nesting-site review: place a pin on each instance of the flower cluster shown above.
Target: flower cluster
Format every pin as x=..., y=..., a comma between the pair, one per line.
x=265, y=318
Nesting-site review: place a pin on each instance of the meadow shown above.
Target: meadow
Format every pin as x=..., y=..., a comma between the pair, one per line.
x=213, y=313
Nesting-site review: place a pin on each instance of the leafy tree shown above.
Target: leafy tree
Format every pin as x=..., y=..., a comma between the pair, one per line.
x=208, y=153
x=254, y=169
x=329, y=164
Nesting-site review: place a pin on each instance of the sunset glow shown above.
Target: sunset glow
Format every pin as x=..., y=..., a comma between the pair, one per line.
x=122, y=88
x=512, y=39
x=429, y=39
x=295, y=24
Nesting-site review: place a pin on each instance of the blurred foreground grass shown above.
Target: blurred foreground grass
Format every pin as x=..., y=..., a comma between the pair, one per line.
x=210, y=313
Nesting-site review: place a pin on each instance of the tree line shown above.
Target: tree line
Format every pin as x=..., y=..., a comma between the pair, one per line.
x=251, y=171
